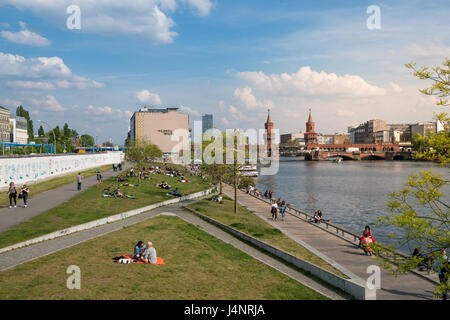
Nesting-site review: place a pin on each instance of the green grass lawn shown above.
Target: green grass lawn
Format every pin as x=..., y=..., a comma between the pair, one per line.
x=90, y=205
x=36, y=188
x=197, y=266
x=254, y=226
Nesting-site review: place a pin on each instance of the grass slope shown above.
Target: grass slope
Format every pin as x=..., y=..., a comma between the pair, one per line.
x=90, y=205
x=198, y=266
x=252, y=225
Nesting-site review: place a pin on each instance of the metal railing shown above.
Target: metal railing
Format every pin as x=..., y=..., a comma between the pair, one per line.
x=325, y=225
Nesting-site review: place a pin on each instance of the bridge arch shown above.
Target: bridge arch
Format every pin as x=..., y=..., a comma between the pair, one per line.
x=373, y=157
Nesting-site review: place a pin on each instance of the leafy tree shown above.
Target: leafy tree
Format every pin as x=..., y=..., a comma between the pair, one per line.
x=87, y=140
x=21, y=112
x=219, y=172
x=421, y=213
x=108, y=144
x=244, y=182
x=292, y=143
x=41, y=132
x=440, y=77
x=67, y=131
x=420, y=210
x=141, y=151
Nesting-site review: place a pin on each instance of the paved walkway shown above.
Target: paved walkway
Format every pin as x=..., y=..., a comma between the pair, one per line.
x=19, y=256
x=408, y=286
x=45, y=201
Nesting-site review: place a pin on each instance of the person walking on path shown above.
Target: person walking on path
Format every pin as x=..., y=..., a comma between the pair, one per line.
x=24, y=193
x=12, y=192
x=282, y=209
x=79, y=180
x=99, y=178
x=274, y=211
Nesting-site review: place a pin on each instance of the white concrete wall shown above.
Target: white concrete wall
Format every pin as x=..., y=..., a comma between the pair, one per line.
x=26, y=170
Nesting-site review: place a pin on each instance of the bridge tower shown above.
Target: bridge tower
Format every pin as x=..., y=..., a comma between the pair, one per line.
x=269, y=130
x=310, y=134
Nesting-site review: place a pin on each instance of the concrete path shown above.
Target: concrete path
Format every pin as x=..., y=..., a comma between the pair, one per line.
x=45, y=201
x=19, y=256
x=408, y=286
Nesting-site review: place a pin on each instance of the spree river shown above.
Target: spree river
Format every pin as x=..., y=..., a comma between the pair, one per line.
x=351, y=193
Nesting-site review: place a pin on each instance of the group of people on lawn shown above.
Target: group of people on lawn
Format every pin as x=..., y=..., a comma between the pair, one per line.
x=145, y=253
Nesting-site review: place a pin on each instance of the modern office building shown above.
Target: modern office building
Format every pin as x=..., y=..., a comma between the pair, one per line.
x=19, y=130
x=5, y=131
x=157, y=126
x=298, y=137
x=365, y=132
x=424, y=128
x=207, y=122
x=325, y=138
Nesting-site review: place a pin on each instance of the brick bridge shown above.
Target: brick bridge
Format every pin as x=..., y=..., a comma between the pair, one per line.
x=357, y=155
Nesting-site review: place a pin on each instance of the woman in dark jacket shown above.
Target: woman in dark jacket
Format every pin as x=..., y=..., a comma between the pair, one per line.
x=138, y=250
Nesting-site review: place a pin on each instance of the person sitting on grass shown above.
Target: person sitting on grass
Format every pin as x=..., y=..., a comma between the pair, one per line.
x=218, y=198
x=163, y=185
x=139, y=250
x=118, y=193
x=120, y=179
x=149, y=255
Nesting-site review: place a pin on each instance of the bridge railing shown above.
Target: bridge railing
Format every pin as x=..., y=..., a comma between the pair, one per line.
x=329, y=226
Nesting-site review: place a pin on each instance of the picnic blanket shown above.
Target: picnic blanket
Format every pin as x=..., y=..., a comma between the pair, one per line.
x=158, y=260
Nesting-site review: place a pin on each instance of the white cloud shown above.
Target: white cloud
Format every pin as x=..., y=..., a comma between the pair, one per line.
x=203, y=7
x=106, y=112
x=308, y=82
x=9, y=103
x=25, y=37
x=146, y=96
x=49, y=103
x=147, y=19
x=189, y=110
x=345, y=113
x=336, y=101
x=51, y=69
x=40, y=85
x=249, y=101
x=395, y=87
x=99, y=110
x=225, y=122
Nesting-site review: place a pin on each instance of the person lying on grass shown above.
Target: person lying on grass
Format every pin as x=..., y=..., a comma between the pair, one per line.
x=163, y=185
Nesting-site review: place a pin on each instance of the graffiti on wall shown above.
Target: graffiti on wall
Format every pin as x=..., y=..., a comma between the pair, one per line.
x=25, y=170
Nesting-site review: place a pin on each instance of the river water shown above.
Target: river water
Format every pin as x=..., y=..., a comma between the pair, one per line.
x=351, y=193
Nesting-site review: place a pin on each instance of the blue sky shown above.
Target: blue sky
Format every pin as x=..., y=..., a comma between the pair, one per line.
x=231, y=58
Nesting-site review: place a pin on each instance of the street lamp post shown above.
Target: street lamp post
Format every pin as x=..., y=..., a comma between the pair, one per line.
x=54, y=136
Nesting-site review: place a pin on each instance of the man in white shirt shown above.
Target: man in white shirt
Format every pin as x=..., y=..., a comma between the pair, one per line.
x=149, y=255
